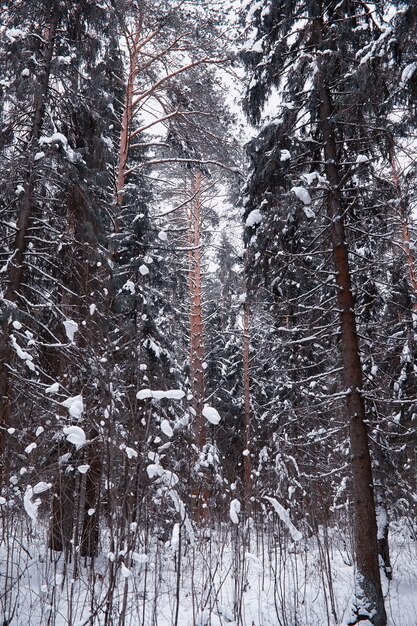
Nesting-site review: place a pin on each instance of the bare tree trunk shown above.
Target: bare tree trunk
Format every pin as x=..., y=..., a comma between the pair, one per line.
x=200, y=491
x=196, y=315
x=26, y=211
x=133, y=46
x=369, y=592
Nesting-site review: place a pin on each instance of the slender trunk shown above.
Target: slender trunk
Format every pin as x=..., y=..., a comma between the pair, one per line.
x=247, y=462
x=26, y=211
x=124, y=140
x=200, y=491
x=196, y=316
x=369, y=593
x=369, y=596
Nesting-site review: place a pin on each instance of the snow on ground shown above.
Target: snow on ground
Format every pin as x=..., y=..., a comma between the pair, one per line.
x=231, y=576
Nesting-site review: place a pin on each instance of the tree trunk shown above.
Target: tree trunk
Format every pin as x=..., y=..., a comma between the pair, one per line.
x=196, y=316
x=369, y=591
x=200, y=491
x=247, y=462
x=132, y=41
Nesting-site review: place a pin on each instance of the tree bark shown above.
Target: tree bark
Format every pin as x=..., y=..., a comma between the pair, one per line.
x=196, y=316
x=197, y=384
x=369, y=591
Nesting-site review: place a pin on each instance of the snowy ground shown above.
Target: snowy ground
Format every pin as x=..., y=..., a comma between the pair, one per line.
x=228, y=577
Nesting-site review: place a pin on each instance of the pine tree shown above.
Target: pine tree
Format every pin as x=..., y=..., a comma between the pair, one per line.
x=331, y=121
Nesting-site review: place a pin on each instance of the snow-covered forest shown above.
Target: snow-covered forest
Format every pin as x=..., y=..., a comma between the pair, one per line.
x=208, y=313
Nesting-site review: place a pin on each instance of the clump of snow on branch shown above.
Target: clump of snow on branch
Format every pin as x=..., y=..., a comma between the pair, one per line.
x=166, y=428
x=71, y=328
x=31, y=506
x=302, y=194
x=128, y=286
x=74, y=405
x=253, y=218
x=75, y=435
x=211, y=414
x=407, y=73
x=234, y=511
x=285, y=518
x=131, y=453
x=170, y=394
x=22, y=354
x=54, y=388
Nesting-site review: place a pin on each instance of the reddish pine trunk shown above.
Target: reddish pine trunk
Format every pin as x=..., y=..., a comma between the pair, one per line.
x=132, y=41
x=196, y=316
x=365, y=527
x=200, y=490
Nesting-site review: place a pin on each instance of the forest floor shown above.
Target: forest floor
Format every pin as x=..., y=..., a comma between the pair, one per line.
x=230, y=576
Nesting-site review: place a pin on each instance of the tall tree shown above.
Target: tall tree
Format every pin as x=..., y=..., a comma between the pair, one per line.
x=325, y=122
